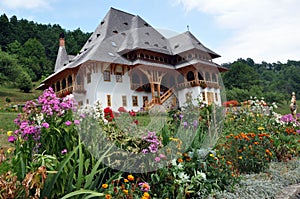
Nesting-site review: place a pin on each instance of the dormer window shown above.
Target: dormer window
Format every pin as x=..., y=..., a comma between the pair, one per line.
x=115, y=31
x=102, y=22
x=98, y=35
x=125, y=23
x=145, y=24
x=156, y=45
x=176, y=46
x=146, y=42
x=147, y=33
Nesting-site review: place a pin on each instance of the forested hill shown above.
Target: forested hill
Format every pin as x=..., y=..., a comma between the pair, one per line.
x=32, y=48
x=28, y=52
x=273, y=81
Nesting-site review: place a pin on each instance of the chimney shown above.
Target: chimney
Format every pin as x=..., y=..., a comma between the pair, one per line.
x=62, y=39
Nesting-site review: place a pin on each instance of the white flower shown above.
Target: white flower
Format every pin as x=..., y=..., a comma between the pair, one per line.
x=173, y=162
x=184, y=177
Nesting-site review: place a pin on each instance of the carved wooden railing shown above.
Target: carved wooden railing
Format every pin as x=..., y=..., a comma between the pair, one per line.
x=160, y=100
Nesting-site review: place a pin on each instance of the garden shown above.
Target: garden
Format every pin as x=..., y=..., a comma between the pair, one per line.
x=60, y=150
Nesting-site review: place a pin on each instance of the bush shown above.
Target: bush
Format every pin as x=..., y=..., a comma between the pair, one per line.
x=23, y=82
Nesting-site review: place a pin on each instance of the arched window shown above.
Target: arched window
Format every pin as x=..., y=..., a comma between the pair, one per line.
x=190, y=76
x=207, y=76
x=64, y=83
x=58, y=86
x=70, y=81
x=214, y=77
x=200, y=77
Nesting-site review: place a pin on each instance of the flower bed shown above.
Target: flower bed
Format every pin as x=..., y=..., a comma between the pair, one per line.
x=93, y=152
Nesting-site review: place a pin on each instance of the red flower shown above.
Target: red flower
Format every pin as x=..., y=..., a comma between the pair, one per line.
x=108, y=114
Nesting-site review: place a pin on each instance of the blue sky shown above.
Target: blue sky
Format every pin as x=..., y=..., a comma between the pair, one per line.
x=264, y=30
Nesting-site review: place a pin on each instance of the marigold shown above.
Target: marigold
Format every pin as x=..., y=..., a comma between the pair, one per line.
x=125, y=180
x=107, y=196
x=130, y=177
x=125, y=191
x=180, y=160
x=104, y=186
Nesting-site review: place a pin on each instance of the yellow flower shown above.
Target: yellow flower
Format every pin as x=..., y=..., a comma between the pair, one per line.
x=146, y=195
x=107, y=196
x=211, y=155
x=125, y=180
x=104, y=186
x=125, y=191
x=240, y=157
x=9, y=133
x=261, y=128
x=9, y=150
x=130, y=177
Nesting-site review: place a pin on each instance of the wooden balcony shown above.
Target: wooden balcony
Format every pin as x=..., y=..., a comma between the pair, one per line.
x=71, y=89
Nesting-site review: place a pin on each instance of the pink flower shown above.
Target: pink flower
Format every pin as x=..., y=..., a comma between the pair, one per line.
x=162, y=156
x=45, y=124
x=12, y=139
x=157, y=159
x=64, y=151
x=68, y=123
x=76, y=122
x=144, y=186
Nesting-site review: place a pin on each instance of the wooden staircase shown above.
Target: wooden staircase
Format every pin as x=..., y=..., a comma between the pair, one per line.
x=162, y=99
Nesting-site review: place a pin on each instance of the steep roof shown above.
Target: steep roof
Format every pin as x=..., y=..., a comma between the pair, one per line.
x=187, y=41
x=62, y=58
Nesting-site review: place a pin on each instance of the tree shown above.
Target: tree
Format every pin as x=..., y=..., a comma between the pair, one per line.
x=240, y=75
x=24, y=82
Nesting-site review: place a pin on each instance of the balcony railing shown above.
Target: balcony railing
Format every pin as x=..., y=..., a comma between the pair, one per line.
x=71, y=89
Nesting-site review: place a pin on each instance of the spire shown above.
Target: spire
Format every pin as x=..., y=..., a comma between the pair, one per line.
x=62, y=56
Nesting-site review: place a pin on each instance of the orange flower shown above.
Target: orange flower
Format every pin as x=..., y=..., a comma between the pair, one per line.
x=125, y=191
x=125, y=180
x=104, y=186
x=107, y=196
x=180, y=160
x=130, y=177
x=229, y=163
x=256, y=143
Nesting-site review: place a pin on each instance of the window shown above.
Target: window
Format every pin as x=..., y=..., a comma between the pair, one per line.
x=214, y=77
x=89, y=78
x=134, y=101
x=216, y=97
x=80, y=103
x=106, y=76
x=87, y=101
x=108, y=100
x=124, y=100
x=118, y=77
x=145, y=100
x=203, y=96
x=207, y=76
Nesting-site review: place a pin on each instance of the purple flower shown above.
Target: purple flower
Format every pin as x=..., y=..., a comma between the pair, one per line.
x=298, y=131
x=68, y=123
x=153, y=148
x=185, y=124
x=180, y=116
x=12, y=139
x=157, y=159
x=76, y=122
x=195, y=123
x=82, y=115
x=64, y=151
x=45, y=124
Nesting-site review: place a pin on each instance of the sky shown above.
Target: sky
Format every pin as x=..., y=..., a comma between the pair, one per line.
x=264, y=30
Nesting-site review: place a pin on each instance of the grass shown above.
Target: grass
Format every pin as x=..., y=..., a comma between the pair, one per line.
x=284, y=108
x=7, y=113
x=15, y=96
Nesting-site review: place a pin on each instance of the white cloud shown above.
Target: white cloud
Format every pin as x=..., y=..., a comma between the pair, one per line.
x=26, y=4
x=265, y=30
